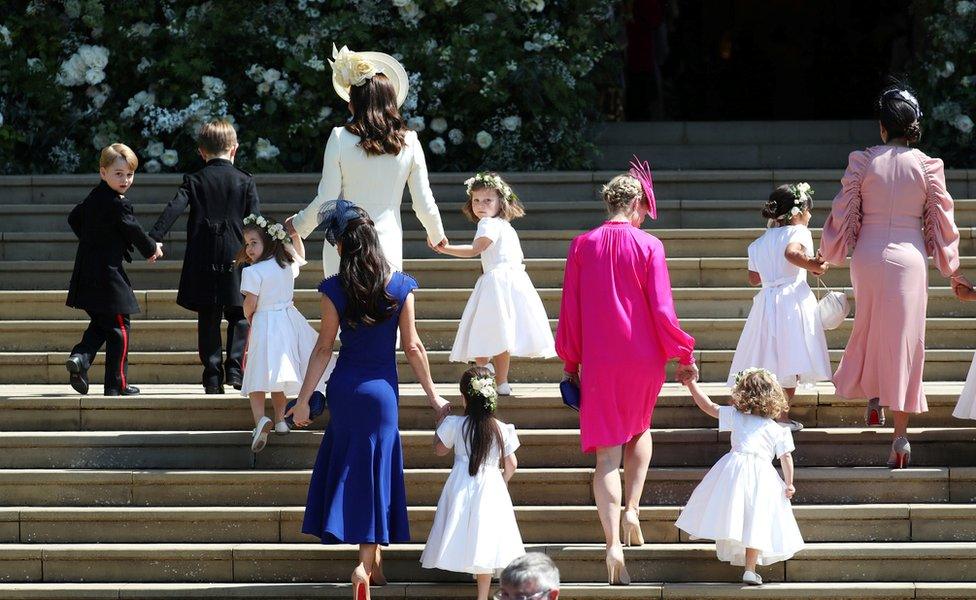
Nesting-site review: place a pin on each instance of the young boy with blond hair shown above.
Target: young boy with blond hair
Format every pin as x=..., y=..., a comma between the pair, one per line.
x=107, y=232
x=219, y=195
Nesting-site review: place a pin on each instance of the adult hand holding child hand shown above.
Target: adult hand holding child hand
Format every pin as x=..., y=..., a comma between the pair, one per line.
x=158, y=254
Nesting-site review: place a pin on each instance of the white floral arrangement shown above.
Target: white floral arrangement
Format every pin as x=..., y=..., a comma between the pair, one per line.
x=738, y=377
x=275, y=230
x=490, y=180
x=485, y=388
x=802, y=196
x=350, y=69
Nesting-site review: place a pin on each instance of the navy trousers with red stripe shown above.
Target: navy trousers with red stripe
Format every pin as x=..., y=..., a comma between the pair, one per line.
x=113, y=331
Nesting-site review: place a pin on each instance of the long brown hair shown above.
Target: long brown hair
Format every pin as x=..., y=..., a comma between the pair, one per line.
x=363, y=273
x=272, y=247
x=376, y=118
x=481, y=428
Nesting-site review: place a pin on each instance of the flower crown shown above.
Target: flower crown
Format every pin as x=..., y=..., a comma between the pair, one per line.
x=492, y=181
x=484, y=387
x=275, y=230
x=351, y=69
x=738, y=377
x=802, y=195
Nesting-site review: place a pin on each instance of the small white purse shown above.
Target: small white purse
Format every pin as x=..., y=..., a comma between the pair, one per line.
x=833, y=308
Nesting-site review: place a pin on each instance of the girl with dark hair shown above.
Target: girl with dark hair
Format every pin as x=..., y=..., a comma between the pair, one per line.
x=783, y=333
x=357, y=493
x=280, y=339
x=893, y=211
x=474, y=528
x=372, y=158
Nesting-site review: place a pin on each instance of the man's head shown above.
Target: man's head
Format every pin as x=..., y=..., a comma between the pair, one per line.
x=530, y=577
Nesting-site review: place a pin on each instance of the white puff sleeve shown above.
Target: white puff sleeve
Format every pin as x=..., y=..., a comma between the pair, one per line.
x=511, y=439
x=251, y=280
x=784, y=444
x=489, y=227
x=726, y=418
x=447, y=431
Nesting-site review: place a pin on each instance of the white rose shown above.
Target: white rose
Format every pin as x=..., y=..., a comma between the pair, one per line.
x=94, y=76
x=153, y=166
x=416, y=124
x=272, y=75
x=155, y=149
x=483, y=139
x=512, y=123
x=456, y=136
x=439, y=124
x=437, y=146
x=965, y=7
x=95, y=57
x=262, y=222
x=170, y=158
x=963, y=123
x=213, y=86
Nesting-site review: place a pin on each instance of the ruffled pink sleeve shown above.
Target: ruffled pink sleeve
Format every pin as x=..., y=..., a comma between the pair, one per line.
x=569, y=331
x=675, y=342
x=844, y=222
x=941, y=234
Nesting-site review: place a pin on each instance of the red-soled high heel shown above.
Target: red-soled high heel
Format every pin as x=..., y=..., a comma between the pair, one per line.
x=360, y=583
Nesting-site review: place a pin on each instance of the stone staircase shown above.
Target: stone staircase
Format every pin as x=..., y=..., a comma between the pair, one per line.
x=158, y=496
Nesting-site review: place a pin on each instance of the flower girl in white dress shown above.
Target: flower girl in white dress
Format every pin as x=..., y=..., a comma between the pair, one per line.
x=505, y=316
x=280, y=339
x=783, y=332
x=966, y=405
x=474, y=528
x=742, y=503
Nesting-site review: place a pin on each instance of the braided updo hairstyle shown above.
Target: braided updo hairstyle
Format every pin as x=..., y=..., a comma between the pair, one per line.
x=900, y=113
x=621, y=191
x=781, y=201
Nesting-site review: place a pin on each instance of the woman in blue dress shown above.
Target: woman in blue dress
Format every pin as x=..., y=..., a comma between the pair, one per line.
x=357, y=494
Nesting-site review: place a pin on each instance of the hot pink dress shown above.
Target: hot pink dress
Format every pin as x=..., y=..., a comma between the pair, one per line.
x=892, y=212
x=617, y=320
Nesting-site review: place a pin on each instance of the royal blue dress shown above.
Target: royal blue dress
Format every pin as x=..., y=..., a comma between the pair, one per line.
x=357, y=494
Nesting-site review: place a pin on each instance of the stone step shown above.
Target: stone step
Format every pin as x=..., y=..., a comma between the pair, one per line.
x=169, y=335
x=447, y=303
x=184, y=367
x=578, y=563
x=448, y=591
x=719, y=211
x=79, y=487
x=532, y=406
x=17, y=275
x=553, y=448
x=536, y=243
x=537, y=524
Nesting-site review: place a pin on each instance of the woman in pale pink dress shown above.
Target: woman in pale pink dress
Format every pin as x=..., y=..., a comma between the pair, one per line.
x=617, y=331
x=893, y=210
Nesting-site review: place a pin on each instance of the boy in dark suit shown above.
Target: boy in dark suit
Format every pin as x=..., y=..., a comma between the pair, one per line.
x=219, y=195
x=107, y=231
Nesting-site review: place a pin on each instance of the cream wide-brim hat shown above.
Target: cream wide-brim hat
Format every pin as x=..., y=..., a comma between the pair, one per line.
x=387, y=65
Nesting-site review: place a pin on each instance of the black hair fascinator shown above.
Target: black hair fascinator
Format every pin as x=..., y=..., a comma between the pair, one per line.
x=335, y=216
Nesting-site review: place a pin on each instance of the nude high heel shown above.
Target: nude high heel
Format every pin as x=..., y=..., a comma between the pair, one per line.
x=616, y=569
x=903, y=453
x=633, y=536
x=376, y=576
x=360, y=583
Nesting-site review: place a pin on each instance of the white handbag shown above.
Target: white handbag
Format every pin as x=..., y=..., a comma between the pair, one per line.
x=833, y=308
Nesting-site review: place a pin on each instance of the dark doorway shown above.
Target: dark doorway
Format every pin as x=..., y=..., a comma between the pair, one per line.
x=762, y=59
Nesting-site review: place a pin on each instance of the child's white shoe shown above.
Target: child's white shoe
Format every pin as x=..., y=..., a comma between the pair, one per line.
x=281, y=428
x=491, y=369
x=751, y=578
x=504, y=389
x=259, y=437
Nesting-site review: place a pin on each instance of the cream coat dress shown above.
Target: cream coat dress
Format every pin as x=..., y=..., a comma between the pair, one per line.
x=375, y=183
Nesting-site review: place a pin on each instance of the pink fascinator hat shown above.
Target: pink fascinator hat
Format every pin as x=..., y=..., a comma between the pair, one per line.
x=640, y=171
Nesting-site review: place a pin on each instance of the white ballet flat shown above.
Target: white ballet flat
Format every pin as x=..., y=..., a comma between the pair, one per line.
x=751, y=578
x=259, y=437
x=281, y=428
x=504, y=389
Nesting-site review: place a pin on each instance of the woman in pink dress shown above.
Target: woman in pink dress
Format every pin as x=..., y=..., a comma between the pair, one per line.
x=617, y=331
x=892, y=212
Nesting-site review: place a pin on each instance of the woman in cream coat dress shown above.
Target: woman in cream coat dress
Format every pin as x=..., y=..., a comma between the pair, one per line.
x=373, y=172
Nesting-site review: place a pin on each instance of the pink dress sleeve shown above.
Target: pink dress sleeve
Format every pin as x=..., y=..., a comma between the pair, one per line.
x=569, y=331
x=844, y=222
x=676, y=343
x=941, y=234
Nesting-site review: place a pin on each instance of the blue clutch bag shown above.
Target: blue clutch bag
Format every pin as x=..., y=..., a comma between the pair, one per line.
x=316, y=406
x=571, y=394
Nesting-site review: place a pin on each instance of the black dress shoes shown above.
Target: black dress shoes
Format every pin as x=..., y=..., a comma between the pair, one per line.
x=77, y=374
x=235, y=380
x=130, y=390
x=213, y=389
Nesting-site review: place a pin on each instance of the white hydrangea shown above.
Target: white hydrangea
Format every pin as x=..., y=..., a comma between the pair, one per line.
x=143, y=65
x=483, y=139
x=456, y=136
x=325, y=112
x=965, y=7
x=98, y=95
x=437, y=145
x=153, y=166
x=94, y=76
x=438, y=124
x=416, y=124
x=95, y=57
x=87, y=65
x=265, y=150
x=512, y=123
x=155, y=149
x=533, y=5
x=5, y=36
x=34, y=65
x=271, y=75
x=315, y=63
x=170, y=158
x=142, y=29
x=948, y=69
x=213, y=86
x=101, y=140
x=410, y=12
x=963, y=123
x=968, y=80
